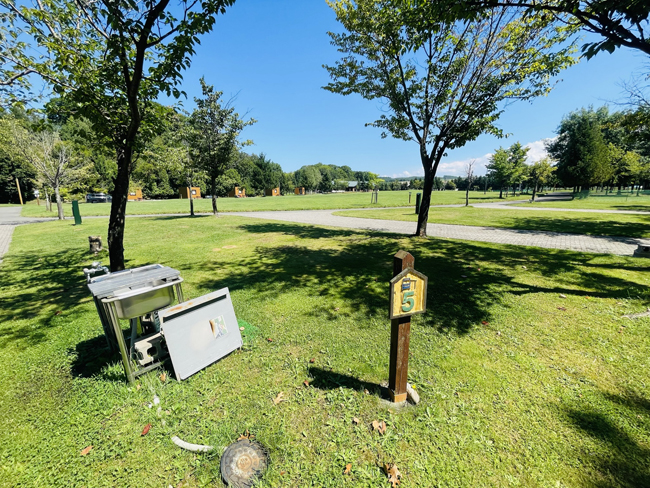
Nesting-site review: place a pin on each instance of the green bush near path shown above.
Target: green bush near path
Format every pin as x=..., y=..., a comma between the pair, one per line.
x=570, y=222
x=288, y=202
x=528, y=372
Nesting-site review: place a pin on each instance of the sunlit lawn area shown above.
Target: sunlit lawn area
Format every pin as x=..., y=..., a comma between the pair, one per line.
x=600, y=201
x=520, y=386
x=570, y=222
x=288, y=202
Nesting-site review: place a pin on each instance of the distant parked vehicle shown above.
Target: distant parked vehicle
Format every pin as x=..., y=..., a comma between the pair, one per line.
x=98, y=198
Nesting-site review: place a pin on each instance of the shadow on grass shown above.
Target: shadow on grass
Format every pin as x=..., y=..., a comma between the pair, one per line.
x=41, y=287
x=625, y=232
x=624, y=461
x=351, y=266
x=329, y=380
x=356, y=266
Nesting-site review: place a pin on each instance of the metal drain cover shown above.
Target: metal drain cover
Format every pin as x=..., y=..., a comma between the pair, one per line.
x=242, y=462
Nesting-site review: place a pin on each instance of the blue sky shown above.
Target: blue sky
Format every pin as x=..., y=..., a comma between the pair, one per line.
x=270, y=54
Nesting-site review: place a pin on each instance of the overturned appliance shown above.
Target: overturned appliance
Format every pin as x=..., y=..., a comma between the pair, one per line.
x=195, y=333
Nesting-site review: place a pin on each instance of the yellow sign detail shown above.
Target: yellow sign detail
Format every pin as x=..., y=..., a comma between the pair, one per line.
x=408, y=294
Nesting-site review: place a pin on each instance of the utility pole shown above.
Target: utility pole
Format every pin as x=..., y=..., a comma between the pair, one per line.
x=20, y=195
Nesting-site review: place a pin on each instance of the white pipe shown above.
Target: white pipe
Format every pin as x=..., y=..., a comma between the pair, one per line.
x=191, y=447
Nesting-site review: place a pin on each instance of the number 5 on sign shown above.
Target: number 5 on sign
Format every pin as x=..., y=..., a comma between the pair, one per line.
x=408, y=294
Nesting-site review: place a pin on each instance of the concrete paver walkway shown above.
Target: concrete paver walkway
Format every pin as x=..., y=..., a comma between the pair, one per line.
x=550, y=240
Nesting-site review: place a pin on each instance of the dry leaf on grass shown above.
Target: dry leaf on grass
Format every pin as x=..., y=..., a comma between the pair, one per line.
x=279, y=398
x=86, y=450
x=306, y=383
x=355, y=420
x=312, y=360
x=337, y=309
x=379, y=426
x=146, y=429
x=394, y=476
x=562, y=308
x=562, y=296
x=485, y=322
x=246, y=435
x=163, y=377
x=269, y=339
x=241, y=328
x=58, y=312
x=348, y=468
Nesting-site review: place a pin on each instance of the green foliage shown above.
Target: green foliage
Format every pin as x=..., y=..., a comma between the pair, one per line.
x=308, y=177
x=12, y=163
x=580, y=149
x=508, y=166
x=620, y=23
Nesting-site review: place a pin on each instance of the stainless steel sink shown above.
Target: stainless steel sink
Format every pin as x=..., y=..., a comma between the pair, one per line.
x=134, y=302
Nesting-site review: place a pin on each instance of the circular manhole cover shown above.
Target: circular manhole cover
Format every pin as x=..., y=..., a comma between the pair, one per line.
x=242, y=462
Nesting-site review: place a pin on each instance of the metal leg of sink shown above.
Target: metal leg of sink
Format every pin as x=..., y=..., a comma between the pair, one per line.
x=126, y=360
x=179, y=292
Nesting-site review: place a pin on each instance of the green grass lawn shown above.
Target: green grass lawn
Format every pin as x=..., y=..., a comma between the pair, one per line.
x=600, y=201
x=528, y=373
x=571, y=222
x=288, y=202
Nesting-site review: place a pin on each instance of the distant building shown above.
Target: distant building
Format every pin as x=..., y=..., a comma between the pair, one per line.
x=352, y=186
x=272, y=192
x=135, y=195
x=299, y=190
x=237, y=192
x=185, y=192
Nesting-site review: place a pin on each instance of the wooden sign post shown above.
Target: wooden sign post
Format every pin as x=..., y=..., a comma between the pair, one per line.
x=408, y=296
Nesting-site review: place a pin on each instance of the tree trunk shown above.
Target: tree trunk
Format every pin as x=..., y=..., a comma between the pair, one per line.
x=534, y=192
x=59, y=203
x=116, y=222
x=213, y=182
x=189, y=193
x=423, y=217
x=501, y=192
x=48, y=203
x=467, y=195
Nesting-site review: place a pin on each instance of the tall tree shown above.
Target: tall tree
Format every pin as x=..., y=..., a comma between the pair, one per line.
x=216, y=130
x=51, y=159
x=109, y=58
x=443, y=81
x=500, y=170
x=517, y=155
x=580, y=150
x=539, y=173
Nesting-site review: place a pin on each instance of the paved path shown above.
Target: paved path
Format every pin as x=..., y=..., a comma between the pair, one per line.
x=550, y=240
x=9, y=219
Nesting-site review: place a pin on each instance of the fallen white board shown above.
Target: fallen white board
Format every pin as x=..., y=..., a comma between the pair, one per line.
x=199, y=332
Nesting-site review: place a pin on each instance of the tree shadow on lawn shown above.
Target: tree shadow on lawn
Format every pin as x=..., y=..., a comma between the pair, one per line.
x=625, y=461
x=460, y=296
x=596, y=229
x=40, y=286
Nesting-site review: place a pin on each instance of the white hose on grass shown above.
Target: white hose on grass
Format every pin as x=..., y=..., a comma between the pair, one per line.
x=191, y=447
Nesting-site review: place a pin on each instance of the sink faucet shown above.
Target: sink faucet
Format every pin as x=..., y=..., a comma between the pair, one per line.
x=96, y=268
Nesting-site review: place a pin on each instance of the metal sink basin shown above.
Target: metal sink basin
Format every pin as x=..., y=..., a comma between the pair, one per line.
x=134, y=302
